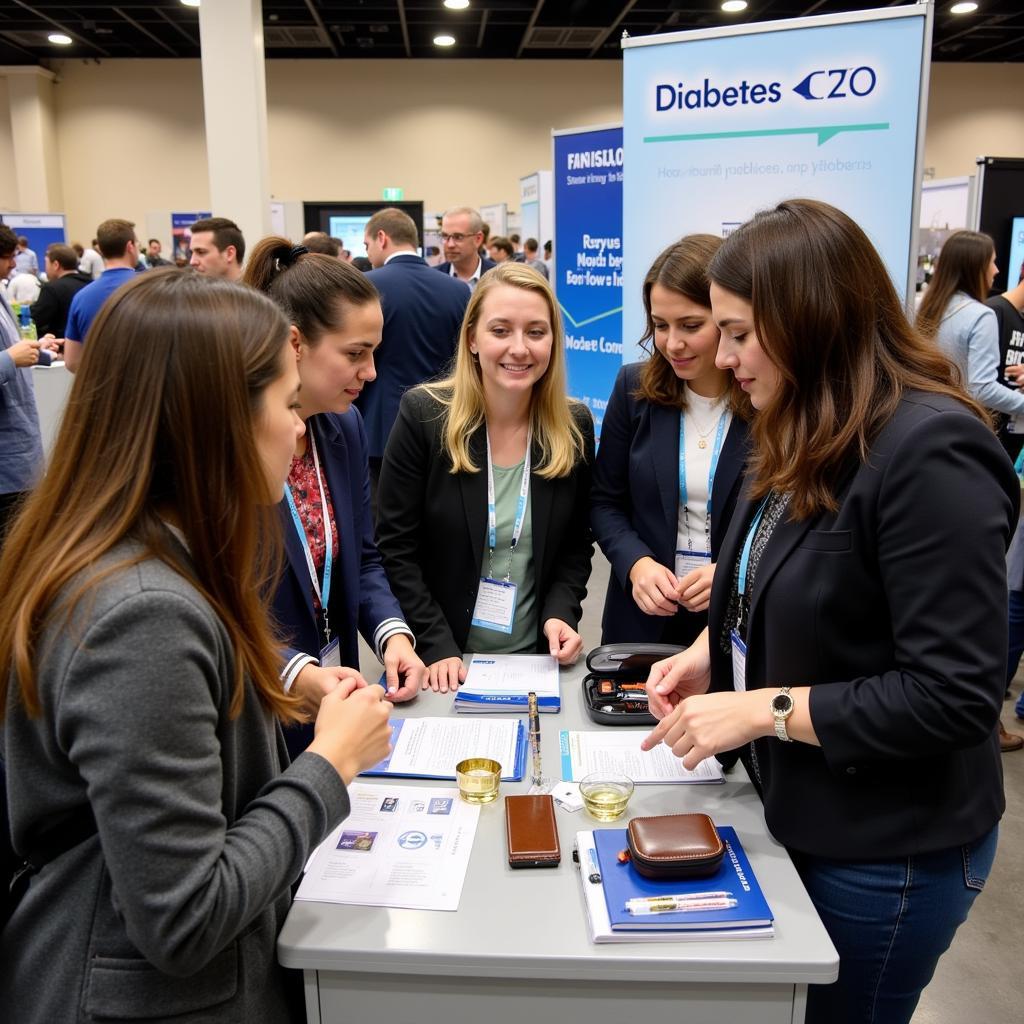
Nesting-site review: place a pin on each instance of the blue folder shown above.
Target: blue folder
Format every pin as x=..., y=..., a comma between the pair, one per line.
x=622, y=882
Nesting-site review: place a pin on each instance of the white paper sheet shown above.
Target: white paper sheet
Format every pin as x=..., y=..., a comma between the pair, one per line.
x=400, y=847
x=432, y=747
x=619, y=751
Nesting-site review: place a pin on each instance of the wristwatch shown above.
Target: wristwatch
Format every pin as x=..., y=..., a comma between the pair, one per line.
x=782, y=708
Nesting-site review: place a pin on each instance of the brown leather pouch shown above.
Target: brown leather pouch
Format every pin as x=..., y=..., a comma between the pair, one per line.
x=531, y=832
x=675, y=846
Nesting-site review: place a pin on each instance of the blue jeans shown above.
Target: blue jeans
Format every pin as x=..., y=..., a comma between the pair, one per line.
x=890, y=922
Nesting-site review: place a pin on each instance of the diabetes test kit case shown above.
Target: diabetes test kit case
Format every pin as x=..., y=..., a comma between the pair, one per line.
x=613, y=689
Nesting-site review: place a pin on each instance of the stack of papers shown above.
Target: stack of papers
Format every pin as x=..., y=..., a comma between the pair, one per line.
x=399, y=847
x=430, y=748
x=501, y=682
x=618, y=751
x=726, y=905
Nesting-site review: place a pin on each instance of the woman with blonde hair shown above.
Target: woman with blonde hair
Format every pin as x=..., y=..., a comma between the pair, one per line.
x=150, y=795
x=485, y=488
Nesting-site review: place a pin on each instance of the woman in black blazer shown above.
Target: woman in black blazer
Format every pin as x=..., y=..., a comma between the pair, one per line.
x=466, y=582
x=857, y=628
x=660, y=521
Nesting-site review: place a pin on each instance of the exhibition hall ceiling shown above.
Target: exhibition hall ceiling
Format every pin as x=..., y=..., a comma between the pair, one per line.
x=485, y=29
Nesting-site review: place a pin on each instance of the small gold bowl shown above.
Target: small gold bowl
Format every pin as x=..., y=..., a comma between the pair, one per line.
x=478, y=779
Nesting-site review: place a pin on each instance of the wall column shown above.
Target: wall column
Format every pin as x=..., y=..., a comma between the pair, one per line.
x=34, y=136
x=235, y=102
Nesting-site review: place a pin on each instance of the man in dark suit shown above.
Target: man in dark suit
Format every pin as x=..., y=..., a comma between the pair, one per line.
x=422, y=317
x=64, y=281
x=462, y=232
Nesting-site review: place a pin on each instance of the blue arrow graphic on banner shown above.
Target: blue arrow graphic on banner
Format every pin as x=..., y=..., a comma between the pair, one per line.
x=589, y=320
x=824, y=133
x=804, y=87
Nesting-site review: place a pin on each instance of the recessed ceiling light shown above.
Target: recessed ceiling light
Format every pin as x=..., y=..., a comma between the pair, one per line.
x=190, y=3
x=444, y=40
x=59, y=38
x=456, y=5
x=966, y=8
x=734, y=6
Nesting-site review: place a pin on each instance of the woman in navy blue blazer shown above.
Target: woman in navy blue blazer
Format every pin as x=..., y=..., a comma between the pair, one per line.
x=660, y=519
x=856, y=647
x=334, y=580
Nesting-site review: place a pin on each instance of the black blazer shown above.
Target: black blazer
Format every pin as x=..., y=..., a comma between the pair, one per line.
x=432, y=525
x=485, y=265
x=422, y=317
x=635, y=501
x=50, y=310
x=894, y=611
x=360, y=595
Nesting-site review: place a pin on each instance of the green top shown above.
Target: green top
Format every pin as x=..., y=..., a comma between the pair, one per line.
x=523, y=638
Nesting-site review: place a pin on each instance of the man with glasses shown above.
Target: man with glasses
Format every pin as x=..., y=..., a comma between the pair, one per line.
x=462, y=233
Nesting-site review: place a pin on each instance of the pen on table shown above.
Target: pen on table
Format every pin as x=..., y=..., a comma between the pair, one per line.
x=682, y=897
x=595, y=869
x=682, y=907
x=531, y=698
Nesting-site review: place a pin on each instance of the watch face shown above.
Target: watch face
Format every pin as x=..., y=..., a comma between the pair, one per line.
x=782, y=704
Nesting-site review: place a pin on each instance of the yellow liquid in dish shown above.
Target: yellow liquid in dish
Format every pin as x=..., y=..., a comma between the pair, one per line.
x=606, y=802
x=478, y=786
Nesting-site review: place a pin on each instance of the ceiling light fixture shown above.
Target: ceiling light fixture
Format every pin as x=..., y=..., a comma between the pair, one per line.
x=967, y=8
x=190, y=3
x=444, y=40
x=456, y=5
x=734, y=6
x=59, y=38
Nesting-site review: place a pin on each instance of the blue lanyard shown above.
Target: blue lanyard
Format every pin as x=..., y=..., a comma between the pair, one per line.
x=716, y=451
x=492, y=510
x=747, y=545
x=322, y=592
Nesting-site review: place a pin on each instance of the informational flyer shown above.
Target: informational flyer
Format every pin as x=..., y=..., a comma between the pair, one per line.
x=399, y=847
x=503, y=682
x=619, y=751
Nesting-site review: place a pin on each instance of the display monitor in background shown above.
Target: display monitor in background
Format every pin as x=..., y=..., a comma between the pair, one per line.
x=1013, y=267
x=351, y=230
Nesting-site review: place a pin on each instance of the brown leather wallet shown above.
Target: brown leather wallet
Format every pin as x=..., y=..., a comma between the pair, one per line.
x=675, y=845
x=531, y=832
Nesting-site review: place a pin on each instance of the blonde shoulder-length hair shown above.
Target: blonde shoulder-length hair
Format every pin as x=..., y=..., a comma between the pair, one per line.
x=555, y=429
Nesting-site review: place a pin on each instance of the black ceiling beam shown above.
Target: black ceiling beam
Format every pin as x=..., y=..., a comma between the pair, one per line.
x=405, y=27
x=177, y=28
x=145, y=31
x=529, y=27
x=315, y=15
x=63, y=28
x=603, y=37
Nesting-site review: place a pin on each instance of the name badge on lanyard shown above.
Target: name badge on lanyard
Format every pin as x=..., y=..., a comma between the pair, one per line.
x=322, y=591
x=688, y=558
x=496, y=599
x=739, y=647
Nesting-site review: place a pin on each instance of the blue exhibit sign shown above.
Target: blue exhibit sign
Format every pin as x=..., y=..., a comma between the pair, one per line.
x=588, y=259
x=721, y=123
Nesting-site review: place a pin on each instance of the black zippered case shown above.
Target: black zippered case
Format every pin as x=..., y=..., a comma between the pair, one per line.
x=613, y=692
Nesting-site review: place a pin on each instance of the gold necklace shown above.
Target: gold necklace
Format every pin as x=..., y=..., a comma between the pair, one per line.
x=703, y=434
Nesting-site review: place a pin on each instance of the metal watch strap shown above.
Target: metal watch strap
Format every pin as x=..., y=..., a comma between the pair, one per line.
x=780, y=719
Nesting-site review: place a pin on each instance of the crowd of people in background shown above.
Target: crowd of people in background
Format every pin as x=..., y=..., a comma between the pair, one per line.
x=276, y=451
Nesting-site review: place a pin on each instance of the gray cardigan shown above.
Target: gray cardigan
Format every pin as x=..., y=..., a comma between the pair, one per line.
x=173, y=909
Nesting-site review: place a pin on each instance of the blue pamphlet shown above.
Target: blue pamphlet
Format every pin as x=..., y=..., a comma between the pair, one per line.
x=622, y=882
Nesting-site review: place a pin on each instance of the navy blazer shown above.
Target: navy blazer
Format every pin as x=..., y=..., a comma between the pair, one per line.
x=359, y=588
x=893, y=611
x=422, y=317
x=635, y=503
x=485, y=265
x=432, y=525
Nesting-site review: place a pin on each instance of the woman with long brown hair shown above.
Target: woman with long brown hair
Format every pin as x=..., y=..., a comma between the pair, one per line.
x=953, y=312
x=857, y=631
x=485, y=488
x=669, y=467
x=333, y=584
x=149, y=788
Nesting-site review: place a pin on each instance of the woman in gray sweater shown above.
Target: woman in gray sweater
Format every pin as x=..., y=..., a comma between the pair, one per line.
x=139, y=675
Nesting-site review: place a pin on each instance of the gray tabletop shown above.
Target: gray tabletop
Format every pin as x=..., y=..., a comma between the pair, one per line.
x=533, y=923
